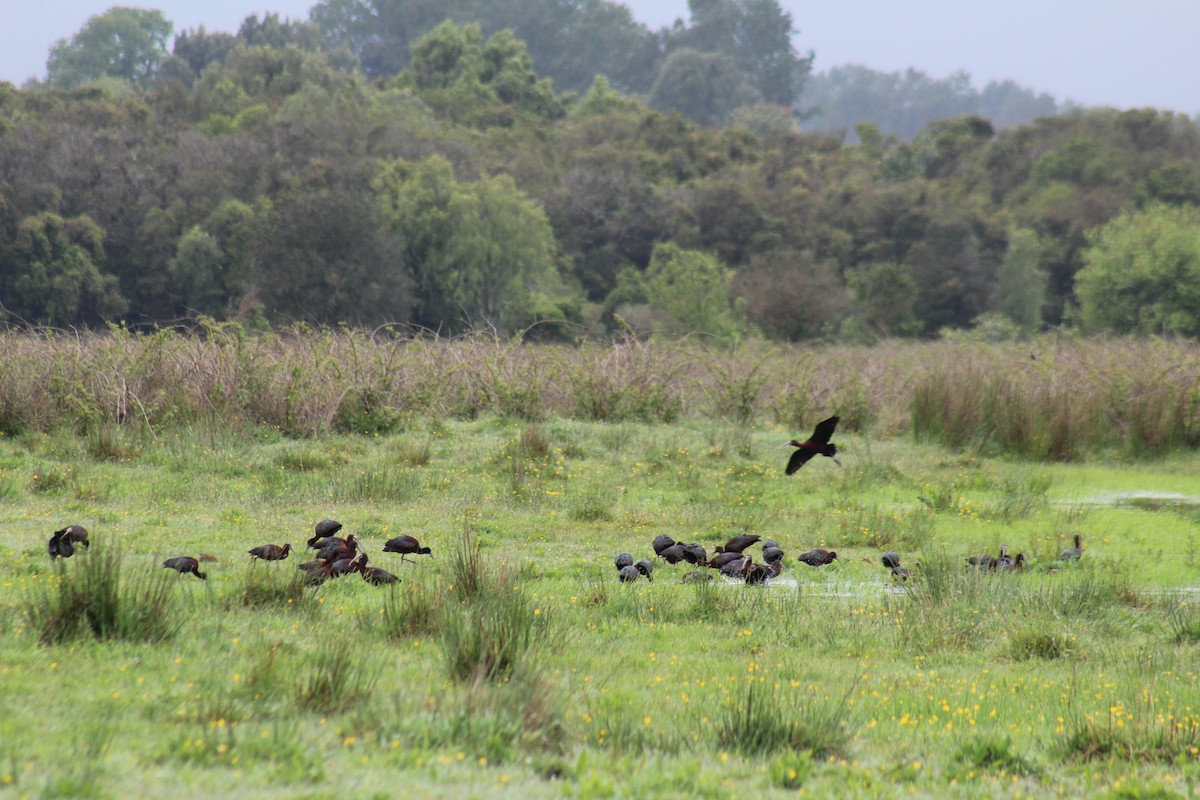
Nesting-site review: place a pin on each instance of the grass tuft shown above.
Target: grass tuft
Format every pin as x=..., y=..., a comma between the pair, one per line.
x=770, y=720
x=92, y=598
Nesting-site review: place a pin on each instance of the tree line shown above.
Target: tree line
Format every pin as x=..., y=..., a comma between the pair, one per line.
x=287, y=173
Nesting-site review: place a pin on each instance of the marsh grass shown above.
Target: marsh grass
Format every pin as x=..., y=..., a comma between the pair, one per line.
x=1029, y=642
x=375, y=484
x=992, y=753
x=493, y=634
x=336, y=676
x=1133, y=732
x=82, y=775
x=766, y=720
x=274, y=585
x=594, y=504
x=414, y=611
x=524, y=715
x=1183, y=621
x=93, y=597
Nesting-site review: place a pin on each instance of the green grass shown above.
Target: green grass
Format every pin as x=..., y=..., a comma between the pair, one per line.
x=512, y=663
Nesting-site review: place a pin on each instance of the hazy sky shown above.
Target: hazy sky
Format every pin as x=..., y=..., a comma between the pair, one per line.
x=1124, y=53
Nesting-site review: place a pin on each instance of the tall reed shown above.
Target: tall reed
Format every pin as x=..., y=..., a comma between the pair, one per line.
x=1053, y=398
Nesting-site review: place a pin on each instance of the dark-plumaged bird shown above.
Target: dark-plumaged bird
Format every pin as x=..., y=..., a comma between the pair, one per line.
x=62, y=543
x=406, y=545
x=377, y=576
x=1004, y=561
x=694, y=554
x=719, y=560
x=818, y=557
x=184, y=565
x=890, y=559
x=982, y=561
x=335, y=548
x=623, y=560
x=817, y=444
x=757, y=573
x=324, y=529
x=345, y=566
x=662, y=542
x=628, y=574
x=1073, y=553
x=1013, y=565
x=772, y=552
x=672, y=554
x=645, y=566
x=733, y=568
x=270, y=552
x=739, y=543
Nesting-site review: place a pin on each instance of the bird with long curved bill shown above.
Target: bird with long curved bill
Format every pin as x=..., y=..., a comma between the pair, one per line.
x=817, y=444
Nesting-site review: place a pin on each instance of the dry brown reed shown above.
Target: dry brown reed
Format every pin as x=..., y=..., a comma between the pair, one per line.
x=1053, y=398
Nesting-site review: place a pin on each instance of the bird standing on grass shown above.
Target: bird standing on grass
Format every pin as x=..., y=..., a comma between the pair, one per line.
x=377, y=576
x=628, y=573
x=646, y=567
x=185, y=565
x=662, y=542
x=1073, y=553
x=406, y=545
x=62, y=543
x=324, y=529
x=270, y=552
x=817, y=444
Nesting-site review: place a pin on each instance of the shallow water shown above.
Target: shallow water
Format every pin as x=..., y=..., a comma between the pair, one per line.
x=1146, y=501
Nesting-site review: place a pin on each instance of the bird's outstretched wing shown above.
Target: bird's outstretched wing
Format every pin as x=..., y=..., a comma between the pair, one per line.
x=799, y=459
x=824, y=430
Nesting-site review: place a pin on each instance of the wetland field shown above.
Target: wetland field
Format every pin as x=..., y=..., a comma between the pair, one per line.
x=511, y=662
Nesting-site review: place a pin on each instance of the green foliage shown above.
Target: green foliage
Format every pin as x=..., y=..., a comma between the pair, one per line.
x=474, y=82
x=493, y=632
x=706, y=87
x=901, y=104
x=1141, y=273
x=1021, y=282
x=886, y=297
x=479, y=251
x=122, y=43
x=57, y=276
x=690, y=290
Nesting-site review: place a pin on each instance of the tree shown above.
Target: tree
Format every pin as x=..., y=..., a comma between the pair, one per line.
x=324, y=256
x=1141, y=273
x=757, y=36
x=198, y=272
x=1021, y=282
x=704, y=86
x=886, y=298
x=480, y=252
x=948, y=271
x=470, y=81
x=689, y=292
x=792, y=296
x=501, y=254
x=54, y=275
x=122, y=43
